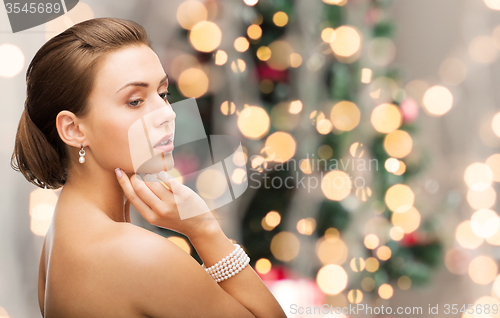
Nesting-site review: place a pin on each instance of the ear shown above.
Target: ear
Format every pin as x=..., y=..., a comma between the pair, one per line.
x=68, y=128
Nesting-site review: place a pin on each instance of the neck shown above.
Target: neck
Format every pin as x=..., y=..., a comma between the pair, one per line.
x=90, y=185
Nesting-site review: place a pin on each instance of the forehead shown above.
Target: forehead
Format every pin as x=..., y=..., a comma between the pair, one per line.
x=133, y=63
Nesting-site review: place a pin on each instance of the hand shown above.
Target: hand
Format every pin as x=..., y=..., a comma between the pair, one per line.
x=158, y=205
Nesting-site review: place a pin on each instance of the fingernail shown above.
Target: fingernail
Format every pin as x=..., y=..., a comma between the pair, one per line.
x=118, y=172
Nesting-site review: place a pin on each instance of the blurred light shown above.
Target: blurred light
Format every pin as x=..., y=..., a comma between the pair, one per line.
x=493, y=4
x=238, y=176
x=347, y=41
x=253, y=122
x=385, y=291
x=176, y=174
x=494, y=239
x=335, y=2
x=399, y=198
x=398, y=143
x=181, y=242
x=285, y=246
x=280, y=18
x=263, y=266
x=456, y=261
x=496, y=287
x=227, y=108
x=254, y=32
x=241, y=44
x=205, y=36
x=332, y=234
x=345, y=115
x=41, y=210
x=238, y=66
x=409, y=220
x=263, y=53
x=486, y=302
x=484, y=223
x=404, y=282
x=331, y=251
x=306, y=226
x=211, y=184
x=437, y=100
x=483, y=50
x=401, y=169
x=258, y=163
x=191, y=12
x=193, y=82
x=355, y=296
x=478, y=176
x=295, y=107
x=305, y=166
x=240, y=158
x=273, y=218
x=483, y=270
x=466, y=237
x=386, y=118
x=396, y=233
x=281, y=146
x=372, y=264
x=371, y=241
x=336, y=185
x=181, y=63
x=280, y=57
x=493, y=162
x=366, y=75
x=328, y=35
x=295, y=60
x=220, y=57
x=11, y=60
x=495, y=124
x=392, y=164
x=384, y=253
x=356, y=149
x=452, y=71
x=250, y=2
x=316, y=116
x=381, y=51
x=324, y=126
x=332, y=279
x=325, y=152
x=368, y=284
x=3, y=313
x=357, y=264
x=484, y=199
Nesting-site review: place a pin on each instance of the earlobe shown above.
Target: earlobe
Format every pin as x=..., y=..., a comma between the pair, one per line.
x=68, y=128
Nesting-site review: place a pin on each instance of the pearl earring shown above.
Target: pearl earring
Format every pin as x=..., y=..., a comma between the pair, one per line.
x=82, y=154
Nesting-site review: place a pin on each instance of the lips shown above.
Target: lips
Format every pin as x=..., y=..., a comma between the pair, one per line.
x=164, y=140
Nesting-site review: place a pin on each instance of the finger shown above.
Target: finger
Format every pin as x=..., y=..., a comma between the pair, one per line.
x=132, y=196
x=158, y=206
x=159, y=188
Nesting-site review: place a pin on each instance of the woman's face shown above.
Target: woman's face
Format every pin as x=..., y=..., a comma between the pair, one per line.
x=129, y=113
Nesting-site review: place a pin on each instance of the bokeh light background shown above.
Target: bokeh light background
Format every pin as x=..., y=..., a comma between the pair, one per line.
x=291, y=81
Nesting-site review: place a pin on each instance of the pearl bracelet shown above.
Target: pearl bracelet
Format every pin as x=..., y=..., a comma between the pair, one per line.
x=229, y=265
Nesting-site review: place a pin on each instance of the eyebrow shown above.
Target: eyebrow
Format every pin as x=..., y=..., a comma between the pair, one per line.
x=142, y=84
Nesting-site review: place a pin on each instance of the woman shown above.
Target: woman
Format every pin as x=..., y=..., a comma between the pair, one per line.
x=85, y=88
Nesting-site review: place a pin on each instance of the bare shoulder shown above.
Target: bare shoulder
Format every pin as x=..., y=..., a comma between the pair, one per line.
x=165, y=281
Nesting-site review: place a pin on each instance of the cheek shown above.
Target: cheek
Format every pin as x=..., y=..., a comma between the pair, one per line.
x=111, y=144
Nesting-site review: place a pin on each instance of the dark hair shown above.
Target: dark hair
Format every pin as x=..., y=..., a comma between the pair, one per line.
x=61, y=77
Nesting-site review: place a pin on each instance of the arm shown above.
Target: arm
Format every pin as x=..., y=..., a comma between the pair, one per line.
x=158, y=206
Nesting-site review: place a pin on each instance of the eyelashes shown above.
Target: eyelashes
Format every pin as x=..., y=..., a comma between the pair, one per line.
x=136, y=103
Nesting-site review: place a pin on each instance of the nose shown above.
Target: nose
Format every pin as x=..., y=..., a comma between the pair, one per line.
x=164, y=115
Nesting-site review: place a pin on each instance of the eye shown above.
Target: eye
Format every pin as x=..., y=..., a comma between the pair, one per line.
x=135, y=103
x=164, y=95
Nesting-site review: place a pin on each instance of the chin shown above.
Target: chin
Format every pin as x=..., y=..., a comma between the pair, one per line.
x=161, y=162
